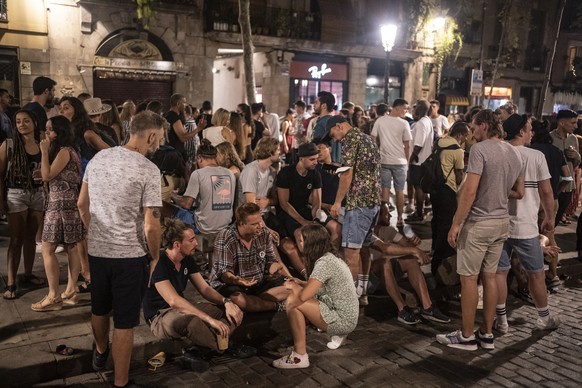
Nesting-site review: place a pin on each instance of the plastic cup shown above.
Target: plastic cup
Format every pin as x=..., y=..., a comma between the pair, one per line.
x=222, y=341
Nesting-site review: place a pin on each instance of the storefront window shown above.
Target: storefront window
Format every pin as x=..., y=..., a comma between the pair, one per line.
x=310, y=78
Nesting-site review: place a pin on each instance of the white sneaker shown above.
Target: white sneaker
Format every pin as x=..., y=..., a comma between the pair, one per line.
x=502, y=328
x=292, y=361
x=38, y=247
x=59, y=249
x=336, y=341
x=363, y=300
x=552, y=324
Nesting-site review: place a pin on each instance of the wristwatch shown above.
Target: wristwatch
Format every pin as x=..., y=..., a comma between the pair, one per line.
x=226, y=300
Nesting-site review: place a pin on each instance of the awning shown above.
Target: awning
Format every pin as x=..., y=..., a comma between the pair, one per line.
x=458, y=101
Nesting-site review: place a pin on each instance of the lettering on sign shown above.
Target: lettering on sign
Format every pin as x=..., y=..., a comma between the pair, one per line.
x=318, y=73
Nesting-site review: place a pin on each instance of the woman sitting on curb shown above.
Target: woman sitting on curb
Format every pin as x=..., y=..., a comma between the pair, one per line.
x=328, y=299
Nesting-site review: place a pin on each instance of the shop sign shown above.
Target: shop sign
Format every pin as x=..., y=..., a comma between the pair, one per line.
x=476, y=82
x=498, y=92
x=127, y=63
x=319, y=71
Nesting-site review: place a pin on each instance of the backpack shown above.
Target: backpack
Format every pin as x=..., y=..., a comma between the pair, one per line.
x=432, y=176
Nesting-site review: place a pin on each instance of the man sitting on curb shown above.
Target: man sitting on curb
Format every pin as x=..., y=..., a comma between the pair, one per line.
x=400, y=255
x=170, y=315
x=244, y=265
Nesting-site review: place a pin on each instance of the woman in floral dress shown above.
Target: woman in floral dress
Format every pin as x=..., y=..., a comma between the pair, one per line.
x=61, y=168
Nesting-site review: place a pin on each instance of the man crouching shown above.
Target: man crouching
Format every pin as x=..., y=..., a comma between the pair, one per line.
x=170, y=315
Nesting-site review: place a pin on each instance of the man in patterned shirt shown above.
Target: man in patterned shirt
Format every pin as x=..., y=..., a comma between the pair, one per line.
x=360, y=185
x=244, y=265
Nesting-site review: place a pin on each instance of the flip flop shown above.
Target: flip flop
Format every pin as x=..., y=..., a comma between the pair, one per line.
x=10, y=292
x=157, y=361
x=64, y=350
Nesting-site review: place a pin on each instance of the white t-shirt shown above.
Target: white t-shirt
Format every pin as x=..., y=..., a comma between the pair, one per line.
x=440, y=124
x=423, y=136
x=213, y=189
x=121, y=183
x=272, y=121
x=523, y=220
x=392, y=133
x=254, y=180
x=214, y=135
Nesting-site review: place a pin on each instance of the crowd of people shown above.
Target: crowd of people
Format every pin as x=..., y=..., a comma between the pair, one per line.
x=296, y=209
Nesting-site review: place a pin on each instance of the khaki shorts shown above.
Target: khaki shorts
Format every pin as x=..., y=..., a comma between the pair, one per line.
x=479, y=246
x=19, y=200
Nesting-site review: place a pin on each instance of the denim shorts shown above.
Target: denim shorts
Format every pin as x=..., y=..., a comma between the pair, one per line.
x=396, y=172
x=19, y=200
x=528, y=251
x=358, y=225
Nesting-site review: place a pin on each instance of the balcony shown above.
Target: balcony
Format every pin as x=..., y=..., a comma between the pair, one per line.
x=222, y=16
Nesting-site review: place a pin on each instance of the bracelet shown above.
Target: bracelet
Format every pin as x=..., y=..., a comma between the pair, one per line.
x=226, y=300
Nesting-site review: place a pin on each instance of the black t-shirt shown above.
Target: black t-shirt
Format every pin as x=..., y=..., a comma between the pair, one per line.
x=172, y=117
x=259, y=129
x=555, y=159
x=110, y=132
x=165, y=270
x=329, y=182
x=40, y=115
x=300, y=187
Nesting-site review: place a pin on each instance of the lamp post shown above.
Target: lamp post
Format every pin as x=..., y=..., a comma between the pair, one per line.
x=388, y=32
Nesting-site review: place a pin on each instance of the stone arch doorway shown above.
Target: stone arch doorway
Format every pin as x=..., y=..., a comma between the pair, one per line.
x=133, y=65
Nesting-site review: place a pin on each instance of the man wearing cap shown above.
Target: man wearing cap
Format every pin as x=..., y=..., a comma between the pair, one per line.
x=298, y=187
x=566, y=141
x=95, y=108
x=360, y=186
x=523, y=226
x=481, y=225
x=212, y=188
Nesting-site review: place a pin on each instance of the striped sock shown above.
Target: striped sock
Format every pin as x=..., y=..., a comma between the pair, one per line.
x=362, y=285
x=501, y=313
x=544, y=313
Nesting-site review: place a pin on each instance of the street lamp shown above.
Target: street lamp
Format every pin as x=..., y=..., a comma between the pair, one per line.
x=388, y=32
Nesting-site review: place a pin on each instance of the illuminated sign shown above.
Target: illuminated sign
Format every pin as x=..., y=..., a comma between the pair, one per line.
x=318, y=73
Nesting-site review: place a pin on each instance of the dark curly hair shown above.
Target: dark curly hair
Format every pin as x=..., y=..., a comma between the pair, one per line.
x=173, y=231
x=81, y=121
x=65, y=138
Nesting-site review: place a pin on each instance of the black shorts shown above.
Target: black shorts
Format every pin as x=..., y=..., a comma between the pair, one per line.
x=265, y=285
x=118, y=285
x=415, y=174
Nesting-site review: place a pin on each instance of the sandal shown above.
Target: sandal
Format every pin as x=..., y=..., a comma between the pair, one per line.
x=48, y=304
x=70, y=299
x=10, y=292
x=33, y=280
x=85, y=287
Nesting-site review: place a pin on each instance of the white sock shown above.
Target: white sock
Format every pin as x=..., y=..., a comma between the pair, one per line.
x=362, y=285
x=501, y=313
x=544, y=313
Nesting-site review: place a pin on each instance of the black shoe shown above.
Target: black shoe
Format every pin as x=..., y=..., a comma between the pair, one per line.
x=99, y=359
x=414, y=219
x=240, y=351
x=434, y=314
x=194, y=362
x=408, y=316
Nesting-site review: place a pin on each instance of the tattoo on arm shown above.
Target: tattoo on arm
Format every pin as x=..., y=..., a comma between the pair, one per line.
x=156, y=212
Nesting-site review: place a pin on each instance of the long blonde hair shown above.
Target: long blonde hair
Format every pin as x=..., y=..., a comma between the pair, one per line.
x=230, y=156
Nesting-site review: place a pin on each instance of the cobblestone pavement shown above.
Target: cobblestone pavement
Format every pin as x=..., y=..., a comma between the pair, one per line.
x=383, y=353
x=380, y=353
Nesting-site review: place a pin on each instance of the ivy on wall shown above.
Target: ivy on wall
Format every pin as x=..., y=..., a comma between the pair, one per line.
x=144, y=11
